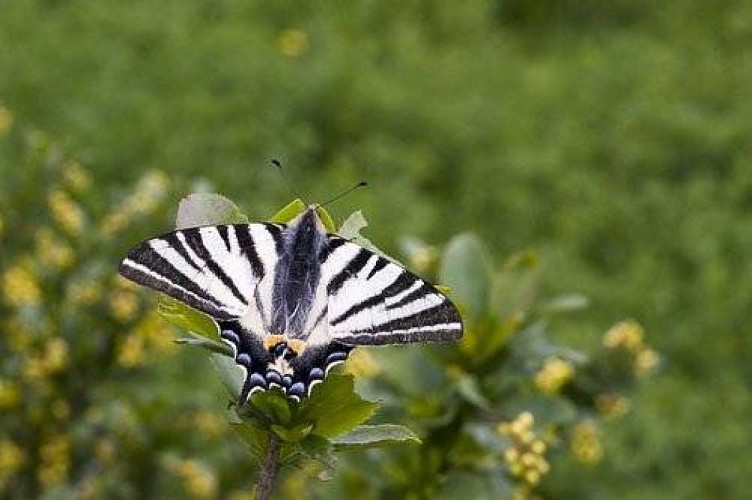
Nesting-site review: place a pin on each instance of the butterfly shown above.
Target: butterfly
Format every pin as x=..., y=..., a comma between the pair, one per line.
x=291, y=299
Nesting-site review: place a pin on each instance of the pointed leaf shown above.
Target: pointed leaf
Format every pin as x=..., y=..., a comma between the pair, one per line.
x=466, y=269
x=467, y=387
x=205, y=209
x=289, y=211
x=294, y=434
x=334, y=407
x=255, y=438
x=319, y=449
x=270, y=407
x=230, y=374
x=352, y=225
x=566, y=303
x=326, y=218
x=210, y=345
x=371, y=436
x=187, y=318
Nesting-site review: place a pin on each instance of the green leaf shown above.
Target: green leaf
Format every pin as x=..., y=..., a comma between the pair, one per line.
x=516, y=287
x=205, y=209
x=210, y=345
x=334, y=407
x=371, y=436
x=352, y=225
x=326, y=218
x=230, y=374
x=566, y=303
x=319, y=449
x=467, y=387
x=269, y=407
x=294, y=434
x=255, y=438
x=187, y=318
x=466, y=269
x=289, y=211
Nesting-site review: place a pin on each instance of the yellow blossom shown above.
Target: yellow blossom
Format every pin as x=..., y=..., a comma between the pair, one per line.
x=114, y=223
x=66, y=212
x=75, y=177
x=9, y=394
x=209, y=423
x=56, y=355
x=424, y=259
x=612, y=405
x=123, y=305
x=21, y=287
x=148, y=193
x=55, y=458
x=52, y=251
x=625, y=335
x=555, y=373
x=525, y=456
x=33, y=369
x=84, y=293
x=199, y=481
x=130, y=352
x=6, y=120
x=293, y=42
x=12, y=457
x=156, y=333
x=646, y=361
x=585, y=443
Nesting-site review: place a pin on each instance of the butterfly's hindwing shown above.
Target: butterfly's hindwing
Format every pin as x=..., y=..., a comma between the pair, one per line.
x=372, y=301
x=265, y=369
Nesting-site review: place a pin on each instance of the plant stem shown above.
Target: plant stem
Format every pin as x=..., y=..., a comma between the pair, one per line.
x=269, y=468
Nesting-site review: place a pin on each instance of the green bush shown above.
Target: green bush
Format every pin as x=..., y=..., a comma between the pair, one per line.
x=96, y=402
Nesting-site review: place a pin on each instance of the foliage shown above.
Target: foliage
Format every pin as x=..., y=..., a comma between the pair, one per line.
x=461, y=397
x=97, y=404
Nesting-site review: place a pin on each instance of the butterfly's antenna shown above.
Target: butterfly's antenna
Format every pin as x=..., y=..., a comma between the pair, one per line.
x=344, y=193
x=276, y=163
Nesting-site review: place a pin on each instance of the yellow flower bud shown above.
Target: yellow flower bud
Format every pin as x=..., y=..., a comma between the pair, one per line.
x=293, y=42
x=20, y=287
x=553, y=375
x=646, y=361
x=532, y=477
x=66, y=212
x=6, y=120
x=625, y=335
x=9, y=394
x=123, y=305
x=511, y=455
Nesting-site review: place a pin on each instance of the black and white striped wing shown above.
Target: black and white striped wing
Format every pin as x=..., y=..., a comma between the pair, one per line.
x=215, y=269
x=373, y=301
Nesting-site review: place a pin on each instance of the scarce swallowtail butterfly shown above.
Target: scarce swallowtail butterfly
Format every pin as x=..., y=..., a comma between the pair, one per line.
x=290, y=299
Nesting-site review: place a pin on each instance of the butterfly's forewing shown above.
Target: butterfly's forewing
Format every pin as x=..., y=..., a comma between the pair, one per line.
x=372, y=301
x=214, y=269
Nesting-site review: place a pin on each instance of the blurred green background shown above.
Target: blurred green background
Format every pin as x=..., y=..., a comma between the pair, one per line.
x=614, y=138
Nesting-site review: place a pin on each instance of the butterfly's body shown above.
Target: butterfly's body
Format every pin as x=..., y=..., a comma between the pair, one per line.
x=291, y=299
